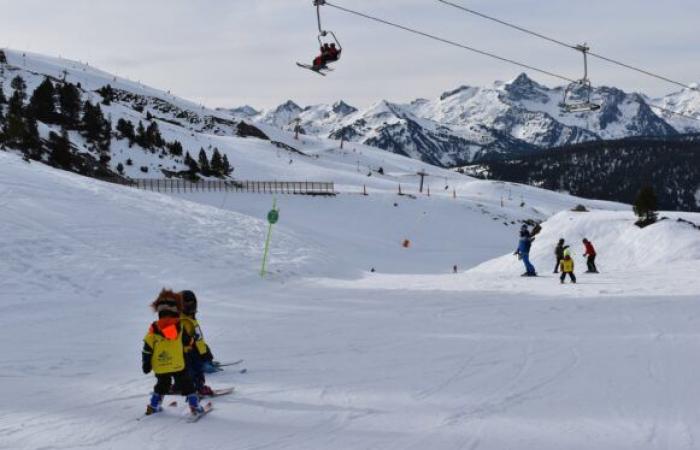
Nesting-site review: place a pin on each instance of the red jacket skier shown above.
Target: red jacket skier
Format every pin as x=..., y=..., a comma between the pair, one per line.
x=591, y=254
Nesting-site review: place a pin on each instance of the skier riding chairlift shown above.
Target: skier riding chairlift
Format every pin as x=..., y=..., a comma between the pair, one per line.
x=330, y=51
x=583, y=85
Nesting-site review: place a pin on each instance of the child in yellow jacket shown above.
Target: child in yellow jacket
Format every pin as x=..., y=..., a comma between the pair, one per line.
x=164, y=348
x=567, y=268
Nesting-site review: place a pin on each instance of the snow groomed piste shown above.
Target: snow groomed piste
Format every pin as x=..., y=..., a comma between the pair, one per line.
x=407, y=356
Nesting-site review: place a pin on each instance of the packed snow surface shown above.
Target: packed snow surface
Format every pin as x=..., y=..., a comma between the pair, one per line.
x=408, y=357
x=339, y=356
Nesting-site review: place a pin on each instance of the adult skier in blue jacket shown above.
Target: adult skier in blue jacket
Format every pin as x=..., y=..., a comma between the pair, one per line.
x=523, y=251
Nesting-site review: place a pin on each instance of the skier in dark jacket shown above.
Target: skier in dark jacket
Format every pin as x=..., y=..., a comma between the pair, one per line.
x=559, y=254
x=523, y=251
x=591, y=254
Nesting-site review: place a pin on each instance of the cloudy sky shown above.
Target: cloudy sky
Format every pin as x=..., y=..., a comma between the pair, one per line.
x=235, y=52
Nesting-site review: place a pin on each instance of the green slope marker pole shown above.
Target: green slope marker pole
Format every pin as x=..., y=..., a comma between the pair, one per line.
x=272, y=218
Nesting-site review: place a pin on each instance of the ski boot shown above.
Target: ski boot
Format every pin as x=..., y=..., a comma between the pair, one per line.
x=155, y=405
x=195, y=407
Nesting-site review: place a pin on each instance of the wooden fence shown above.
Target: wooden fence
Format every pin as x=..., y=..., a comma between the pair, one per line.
x=260, y=187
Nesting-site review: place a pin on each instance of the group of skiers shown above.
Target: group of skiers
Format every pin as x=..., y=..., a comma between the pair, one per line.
x=175, y=350
x=329, y=53
x=562, y=252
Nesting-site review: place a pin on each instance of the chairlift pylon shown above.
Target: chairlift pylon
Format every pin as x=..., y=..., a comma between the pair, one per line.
x=584, y=84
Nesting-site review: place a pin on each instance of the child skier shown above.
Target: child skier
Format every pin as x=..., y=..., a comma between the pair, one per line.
x=200, y=359
x=567, y=267
x=164, y=350
x=559, y=254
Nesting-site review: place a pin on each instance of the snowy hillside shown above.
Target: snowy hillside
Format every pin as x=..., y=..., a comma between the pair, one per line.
x=362, y=335
x=339, y=357
x=470, y=123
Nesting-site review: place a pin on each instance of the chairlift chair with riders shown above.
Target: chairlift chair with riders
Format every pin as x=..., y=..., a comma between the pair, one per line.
x=320, y=63
x=582, y=101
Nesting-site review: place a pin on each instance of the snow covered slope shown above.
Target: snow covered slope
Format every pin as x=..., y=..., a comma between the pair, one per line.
x=406, y=357
x=338, y=357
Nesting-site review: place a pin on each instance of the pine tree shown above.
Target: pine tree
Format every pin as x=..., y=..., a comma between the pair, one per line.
x=204, y=163
x=70, y=104
x=42, y=105
x=127, y=130
x=3, y=101
x=18, y=85
x=217, y=164
x=95, y=128
x=175, y=148
x=59, y=146
x=228, y=170
x=645, y=206
x=191, y=164
x=13, y=130
x=31, y=142
x=107, y=94
x=153, y=136
x=141, y=137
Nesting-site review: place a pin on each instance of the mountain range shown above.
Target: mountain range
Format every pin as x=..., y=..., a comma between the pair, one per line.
x=472, y=124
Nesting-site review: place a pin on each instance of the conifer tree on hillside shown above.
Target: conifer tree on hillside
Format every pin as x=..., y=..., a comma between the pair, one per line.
x=217, y=163
x=175, y=148
x=3, y=102
x=203, y=162
x=19, y=87
x=228, y=170
x=107, y=94
x=60, y=150
x=645, y=206
x=70, y=103
x=31, y=142
x=95, y=128
x=153, y=136
x=14, y=127
x=141, y=138
x=126, y=130
x=191, y=164
x=42, y=104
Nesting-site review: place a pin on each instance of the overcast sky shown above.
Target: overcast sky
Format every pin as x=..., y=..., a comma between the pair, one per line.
x=236, y=52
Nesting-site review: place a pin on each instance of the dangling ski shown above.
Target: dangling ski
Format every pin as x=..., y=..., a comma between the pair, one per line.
x=311, y=68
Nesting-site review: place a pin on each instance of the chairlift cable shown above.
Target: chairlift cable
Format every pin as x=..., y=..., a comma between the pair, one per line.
x=573, y=47
x=510, y=61
x=452, y=43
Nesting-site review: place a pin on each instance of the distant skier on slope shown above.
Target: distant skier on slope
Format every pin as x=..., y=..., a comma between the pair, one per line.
x=591, y=254
x=523, y=251
x=164, y=350
x=559, y=254
x=567, y=267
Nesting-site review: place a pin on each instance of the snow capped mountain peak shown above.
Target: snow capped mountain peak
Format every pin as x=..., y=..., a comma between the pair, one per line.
x=525, y=88
x=288, y=106
x=244, y=112
x=342, y=108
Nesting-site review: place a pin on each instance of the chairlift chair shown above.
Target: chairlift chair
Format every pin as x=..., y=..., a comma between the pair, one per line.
x=582, y=103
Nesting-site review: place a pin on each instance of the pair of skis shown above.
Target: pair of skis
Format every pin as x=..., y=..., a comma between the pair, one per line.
x=318, y=71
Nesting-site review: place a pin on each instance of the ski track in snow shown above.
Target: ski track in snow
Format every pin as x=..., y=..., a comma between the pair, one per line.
x=409, y=357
